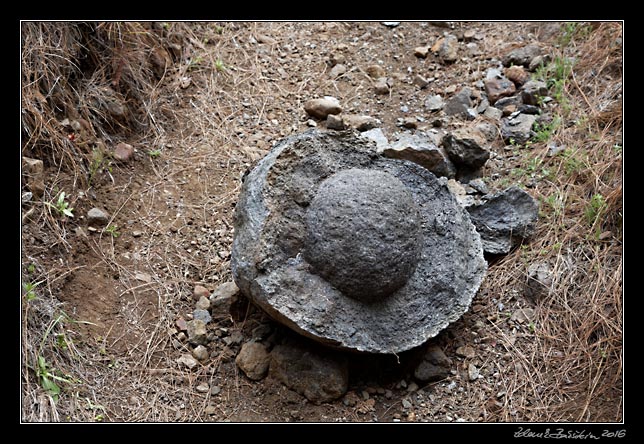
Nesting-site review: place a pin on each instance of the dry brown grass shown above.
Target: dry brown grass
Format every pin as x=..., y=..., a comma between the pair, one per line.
x=574, y=370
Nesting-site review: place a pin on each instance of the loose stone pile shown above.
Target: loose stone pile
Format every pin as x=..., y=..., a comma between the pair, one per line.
x=353, y=249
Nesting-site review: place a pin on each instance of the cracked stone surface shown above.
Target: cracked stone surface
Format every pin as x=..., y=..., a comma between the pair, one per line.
x=352, y=249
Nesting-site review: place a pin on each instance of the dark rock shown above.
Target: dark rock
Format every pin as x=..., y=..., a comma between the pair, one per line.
x=517, y=128
x=532, y=91
x=508, y=101
x=336, y=279
x=253, y=359
x=529, y=109
x=522, y=56
x=123, y=152
x=460, y=103
x=422, y=150
x=434, y=366
x=339, y=207
x=317, y=373
x=322, y=107
x=465, y=147
x=479, y=185
x=497, y=88
x=505, y=219
x=97, y=217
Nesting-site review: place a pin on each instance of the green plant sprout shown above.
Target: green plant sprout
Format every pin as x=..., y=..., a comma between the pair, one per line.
x=113, y=230
x=219, y=65
x=154, y=153
x=62, y=206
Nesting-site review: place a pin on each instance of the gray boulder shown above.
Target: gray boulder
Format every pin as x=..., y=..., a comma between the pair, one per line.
x=522, y=56
x=316, y=373
x=532, y=91
x=421, y=149
x=460, y=103
x=505, y=219
x=517, y=128
x=321, y=212
x=465, y=147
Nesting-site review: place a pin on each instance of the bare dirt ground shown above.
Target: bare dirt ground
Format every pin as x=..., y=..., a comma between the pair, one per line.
x=99, y=306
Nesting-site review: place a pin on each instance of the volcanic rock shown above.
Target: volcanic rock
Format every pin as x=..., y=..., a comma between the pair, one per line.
x=352, y=249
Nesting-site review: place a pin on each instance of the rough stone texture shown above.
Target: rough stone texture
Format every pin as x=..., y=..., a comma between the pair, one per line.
x=459, y=104
x=422, y=150
x=517, y=74
x=434, y=366
x=274, y=236
x=435, y=103
x=322, y=107
x=532, y=91
x=505, y=219
x=522, y=56
x=35, y=170
x=448, y=49
x=202, y=315
x=517, y=128
x=358, y=210
x=465, y=147
x=508, y=101
x=376, y=135
x=497, y=88
x=97, y=217
x=197, y=333
x=314, y=372
x=221, y=298
x=253, y=359
x=360, y=122
x=123, y=152
x=334, y=122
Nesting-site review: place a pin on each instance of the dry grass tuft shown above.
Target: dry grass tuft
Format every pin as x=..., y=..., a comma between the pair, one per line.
x=574, y=368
